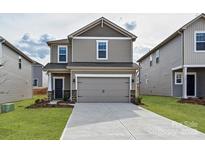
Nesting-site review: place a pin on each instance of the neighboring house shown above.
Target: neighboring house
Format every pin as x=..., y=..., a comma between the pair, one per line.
x=93, y=64
x=176, y=67
x=15, y=73
x=37, y=74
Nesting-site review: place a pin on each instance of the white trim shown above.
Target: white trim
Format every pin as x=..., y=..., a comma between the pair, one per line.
x=71, y=85
x=49, y=82
x=176, y=68
x=37, y=82
x=194, y=66
x=66, y=53
x=175, y=78
x=72, y=51
x=184, y=82
x=104, y=75
x=1, y=53
x=195, y=83
x=197, y=51
x=58, y=77
x=181, y=66
x=106, y=38
x=97, y=52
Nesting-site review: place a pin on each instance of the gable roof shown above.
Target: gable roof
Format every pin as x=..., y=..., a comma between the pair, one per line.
x=60, y=41
x=176, y=33
x=103, y=20
x=8, y=44
x=37, y=63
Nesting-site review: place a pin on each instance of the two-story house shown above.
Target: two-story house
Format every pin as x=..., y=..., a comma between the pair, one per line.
x=176, y=67
x=37, y=74
x=15, y=73
x=93, y=64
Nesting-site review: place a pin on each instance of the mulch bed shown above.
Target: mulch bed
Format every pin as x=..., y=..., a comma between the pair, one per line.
x=44, y=103
x=199, y=101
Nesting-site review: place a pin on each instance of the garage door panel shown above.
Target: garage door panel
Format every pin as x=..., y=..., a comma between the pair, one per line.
x=96, y=90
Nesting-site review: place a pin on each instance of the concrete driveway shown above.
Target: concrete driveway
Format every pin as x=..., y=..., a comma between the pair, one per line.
x=123, y=121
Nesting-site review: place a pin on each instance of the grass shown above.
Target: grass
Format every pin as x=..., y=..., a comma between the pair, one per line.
x=188, y=114
x=33, y=124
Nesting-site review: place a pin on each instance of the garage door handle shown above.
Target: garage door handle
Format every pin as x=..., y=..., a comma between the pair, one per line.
x=80, y=96
x=126, y=96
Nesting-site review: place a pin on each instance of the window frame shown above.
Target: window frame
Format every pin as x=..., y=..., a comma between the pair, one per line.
x=157, y=56
x=150, y=60
x=65, y=46
x=20, y=62
x=37, y=82
x=195, y=41
x=97, y=50
x=175, y=78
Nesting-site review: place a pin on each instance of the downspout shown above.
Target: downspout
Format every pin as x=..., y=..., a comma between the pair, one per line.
x=182, y=48
x=139, y=80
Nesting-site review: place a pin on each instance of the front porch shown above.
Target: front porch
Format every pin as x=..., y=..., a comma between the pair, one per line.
x=188, y=82
x=59, y=85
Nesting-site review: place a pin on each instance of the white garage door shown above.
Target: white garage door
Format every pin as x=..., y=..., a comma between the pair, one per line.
x=103, y=90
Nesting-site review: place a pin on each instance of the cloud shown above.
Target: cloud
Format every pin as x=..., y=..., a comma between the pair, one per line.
x=36, y=48
x=139, y=52
x=131, y=25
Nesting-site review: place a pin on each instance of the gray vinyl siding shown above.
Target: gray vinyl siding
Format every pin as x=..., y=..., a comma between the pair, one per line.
x=191, y=57
x=104, y=31
x=159, y=76
x=17, y=83
x=54, y=53
x=37, y=74
x=118, y=51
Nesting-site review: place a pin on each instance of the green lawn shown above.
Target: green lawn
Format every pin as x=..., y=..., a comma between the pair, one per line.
x=33, y=124
x=193, y=115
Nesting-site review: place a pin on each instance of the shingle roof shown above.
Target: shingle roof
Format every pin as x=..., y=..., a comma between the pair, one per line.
x=106, y=21
x=89, y=64
x=60, y=41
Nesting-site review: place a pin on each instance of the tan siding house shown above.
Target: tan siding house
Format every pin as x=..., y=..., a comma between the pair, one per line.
x=94, y=64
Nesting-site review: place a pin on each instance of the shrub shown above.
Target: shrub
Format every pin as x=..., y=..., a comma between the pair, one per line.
x=138, y=100
x=37, y=101
x=65, y=98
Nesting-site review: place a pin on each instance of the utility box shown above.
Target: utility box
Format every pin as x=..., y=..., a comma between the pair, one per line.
x=7, y=107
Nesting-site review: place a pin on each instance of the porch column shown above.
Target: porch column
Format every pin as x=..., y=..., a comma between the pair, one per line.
x=185, y=82
x=49, y=82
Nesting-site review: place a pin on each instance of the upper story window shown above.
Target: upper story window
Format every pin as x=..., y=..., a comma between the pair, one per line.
x=178, y=78
x=19, y=62
x=150, y=60
x=62, y=54
x=102, y=49
x=157, y=56
x=200, y=41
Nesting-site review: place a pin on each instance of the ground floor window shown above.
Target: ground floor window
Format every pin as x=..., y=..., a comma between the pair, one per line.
x=178, y=78
x=35, y=82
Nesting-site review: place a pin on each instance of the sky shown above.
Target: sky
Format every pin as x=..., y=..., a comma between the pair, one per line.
x=30, y=32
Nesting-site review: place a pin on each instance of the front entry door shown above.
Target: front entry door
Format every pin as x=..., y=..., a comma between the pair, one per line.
x=191, y=85
x=58, y=88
